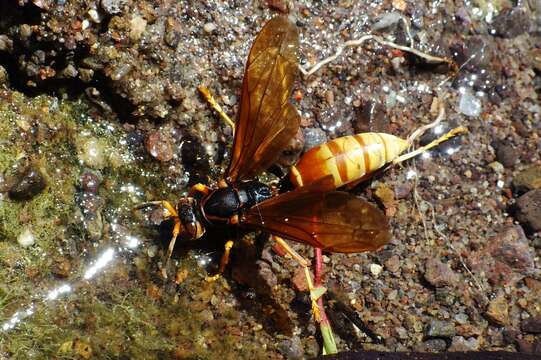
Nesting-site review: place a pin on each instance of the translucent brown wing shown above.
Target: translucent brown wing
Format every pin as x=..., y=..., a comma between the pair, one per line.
x=266, y=120
x=334, y=221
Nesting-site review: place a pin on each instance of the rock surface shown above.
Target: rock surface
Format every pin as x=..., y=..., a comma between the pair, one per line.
x=529, y=209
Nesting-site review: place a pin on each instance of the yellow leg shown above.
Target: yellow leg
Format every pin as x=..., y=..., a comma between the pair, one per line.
x=315, y=294
x=171, y=213
x=452, y=133
x=176, y=231
x=210, y=99
x=199, y=188
x=223, y=262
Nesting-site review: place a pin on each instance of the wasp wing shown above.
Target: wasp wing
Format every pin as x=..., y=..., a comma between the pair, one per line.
x=334, y=221
x=266, y=120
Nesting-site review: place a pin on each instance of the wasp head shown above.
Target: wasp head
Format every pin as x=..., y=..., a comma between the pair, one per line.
x=191, y=226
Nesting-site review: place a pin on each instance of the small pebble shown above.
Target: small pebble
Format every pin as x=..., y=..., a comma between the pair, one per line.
x=26, y=238
x=393, y=263
x=386, y=20
x=469, y=105
x=531, y=325
x=400, y=5
x=70, y=71
x=512, y=22
x=291, y=348
x=463, y=345
x=94, y=16
x=92, y=152
x=461, y=318
x=497, y=167
x=112, y=7
x=438, y=328
x=209, y=27
x=61, y=267
x=506, y=154
x=137, y=27
x=529, y=209
x=376, y=269
x=4, y=78
x=536, y=59
x=498, y=311
x=299, y=279
x=439, y=274
x=6, y=44
x=329, y=97
x=402, y=190
x=152, y=251
x=27, y=185
x=528, y=179
x=90, y=182
x=159, y=146
x=279, y=5
x=432, y=345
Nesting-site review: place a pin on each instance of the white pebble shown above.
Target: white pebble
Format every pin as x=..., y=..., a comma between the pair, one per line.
x=387, y=20
x=497, y=167
x=137, y=27
x=469, y=105
x=85, y=24
x=376, y=269
x=209, y=27
x=26, y=238
x=94, y=16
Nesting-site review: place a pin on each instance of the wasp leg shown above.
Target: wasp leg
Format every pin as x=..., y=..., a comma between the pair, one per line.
x=222, y=184
x=171, y=213
x=176, y=231
x=214, y=104
x=223, y=262
x=199, y=188
x=315, y=292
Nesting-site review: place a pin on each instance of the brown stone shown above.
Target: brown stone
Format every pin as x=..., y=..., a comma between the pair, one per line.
x=506, y=258
x=439, y=274
x=529, y=209
x=392, y=264
x=531, y=325
x=159, y=146
x=498, y=311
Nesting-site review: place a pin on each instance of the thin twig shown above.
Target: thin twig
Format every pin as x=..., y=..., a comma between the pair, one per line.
x=420, y=131
x=358, y=42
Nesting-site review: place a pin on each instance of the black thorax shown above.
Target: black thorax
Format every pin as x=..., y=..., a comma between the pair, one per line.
x=223, y=203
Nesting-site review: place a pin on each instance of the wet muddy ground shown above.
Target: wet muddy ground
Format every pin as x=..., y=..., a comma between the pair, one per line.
x=99, y=112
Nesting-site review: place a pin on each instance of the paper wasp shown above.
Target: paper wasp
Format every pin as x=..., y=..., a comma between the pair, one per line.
x=316, y=215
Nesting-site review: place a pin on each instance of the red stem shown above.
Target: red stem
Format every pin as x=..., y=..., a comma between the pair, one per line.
x=319, y=266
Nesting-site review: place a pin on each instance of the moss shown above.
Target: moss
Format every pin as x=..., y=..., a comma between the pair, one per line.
x=112, y=316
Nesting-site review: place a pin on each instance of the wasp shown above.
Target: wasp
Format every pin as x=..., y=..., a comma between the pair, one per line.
x=315, y=214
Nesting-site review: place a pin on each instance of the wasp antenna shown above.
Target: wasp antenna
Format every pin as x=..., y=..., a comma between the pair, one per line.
x=147, y=204
x=450, y=134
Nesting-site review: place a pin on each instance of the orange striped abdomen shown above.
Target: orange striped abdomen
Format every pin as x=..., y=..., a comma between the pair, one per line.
x=347, y=158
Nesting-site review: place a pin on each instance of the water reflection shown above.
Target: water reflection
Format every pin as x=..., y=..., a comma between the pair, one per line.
x=128, y=242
